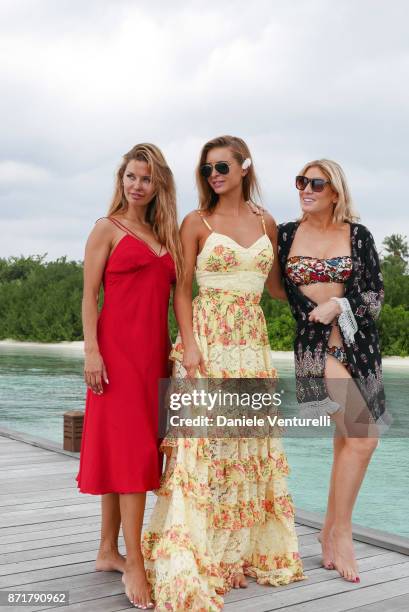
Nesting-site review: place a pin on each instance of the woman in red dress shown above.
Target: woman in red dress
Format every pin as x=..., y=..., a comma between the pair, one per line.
x=136, y=254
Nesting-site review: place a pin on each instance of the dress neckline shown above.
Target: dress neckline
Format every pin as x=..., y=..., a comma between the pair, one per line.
x=212, y=231
x=132, y=234
x=240, y=246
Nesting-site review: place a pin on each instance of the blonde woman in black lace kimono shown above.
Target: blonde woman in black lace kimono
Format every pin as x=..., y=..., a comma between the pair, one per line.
x=334, y=287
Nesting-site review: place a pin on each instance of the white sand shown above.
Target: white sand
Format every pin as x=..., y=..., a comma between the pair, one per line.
x=70, y=347
x=78, y=347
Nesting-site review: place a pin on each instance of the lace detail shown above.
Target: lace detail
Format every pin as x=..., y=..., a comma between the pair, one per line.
x=315, y=409
x=346, y=320
x=230, y=330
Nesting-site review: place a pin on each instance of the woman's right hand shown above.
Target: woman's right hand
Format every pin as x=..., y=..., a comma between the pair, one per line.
x=95, y=372
x=192, y=360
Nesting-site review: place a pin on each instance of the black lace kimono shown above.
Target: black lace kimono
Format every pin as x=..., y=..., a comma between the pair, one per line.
x=364, y=294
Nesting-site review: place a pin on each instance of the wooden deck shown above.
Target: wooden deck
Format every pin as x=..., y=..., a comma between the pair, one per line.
x=49, y=539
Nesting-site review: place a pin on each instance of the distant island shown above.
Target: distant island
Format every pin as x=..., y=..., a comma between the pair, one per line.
x=40, y=301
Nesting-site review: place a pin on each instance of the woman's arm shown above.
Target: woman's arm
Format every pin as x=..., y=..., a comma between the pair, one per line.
x=274, y=280
x=189, y=234
x=97, y=251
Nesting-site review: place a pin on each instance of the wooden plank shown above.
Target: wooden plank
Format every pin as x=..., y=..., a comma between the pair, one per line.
x=367, y=596
x=318, y=574
x=74, y=497
x=7, y=498
x=88, y=590
x=46, y=469
x=30, y=576
x=73, y=501
x=335, y=595
x=49, y=494
x=38, y=546
x=61, y=523
x=385, y=539
x=304, y=529
x=89, y=531
x=25, y=533
x=29, y=535
x=24, y=566
x=107, y=604
x=33, y=484
x=94, y=581
x=47, y=552
x=41, y=539
x=313, y=550
x=90, y=594
x=32, y=516
x=38, y=496
x=29, y=460
x=392, y=604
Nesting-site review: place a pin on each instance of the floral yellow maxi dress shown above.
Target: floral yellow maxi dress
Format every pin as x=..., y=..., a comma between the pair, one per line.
x=223, y=505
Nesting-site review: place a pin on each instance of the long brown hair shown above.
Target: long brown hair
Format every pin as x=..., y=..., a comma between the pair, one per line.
x=161, y=212
x=344, y=208
x=251, y=189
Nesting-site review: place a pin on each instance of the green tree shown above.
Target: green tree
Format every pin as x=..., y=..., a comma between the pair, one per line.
x=395, y=271
x=397, y=246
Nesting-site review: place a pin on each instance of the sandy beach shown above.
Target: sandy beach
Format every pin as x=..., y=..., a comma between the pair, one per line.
x=78, y=348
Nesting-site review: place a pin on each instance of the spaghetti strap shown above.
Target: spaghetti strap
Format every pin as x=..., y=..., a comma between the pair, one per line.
x=115, y=222
x=121, y=226
x=131, y=233
x=263, y=222
x=199, y=212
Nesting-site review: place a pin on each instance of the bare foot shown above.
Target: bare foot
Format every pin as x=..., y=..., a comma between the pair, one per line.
x=239, y=581
x=110, y=561
x=325, y=539
x=344, y=555
x=137, y=587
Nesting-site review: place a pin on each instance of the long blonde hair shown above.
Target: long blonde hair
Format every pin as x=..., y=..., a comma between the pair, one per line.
x=344, y=208
x=251, y=189
x=161, y=213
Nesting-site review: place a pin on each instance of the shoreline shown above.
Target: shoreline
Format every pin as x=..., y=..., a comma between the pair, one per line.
x=78, y=347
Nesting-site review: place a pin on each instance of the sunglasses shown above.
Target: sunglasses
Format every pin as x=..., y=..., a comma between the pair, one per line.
x=221, y=167
x=317, y=184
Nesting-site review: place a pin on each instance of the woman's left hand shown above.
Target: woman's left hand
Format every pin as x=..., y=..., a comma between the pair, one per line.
x=325, y=313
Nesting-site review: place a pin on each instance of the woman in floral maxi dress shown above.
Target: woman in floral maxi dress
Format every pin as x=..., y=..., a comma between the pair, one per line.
x=223, y=509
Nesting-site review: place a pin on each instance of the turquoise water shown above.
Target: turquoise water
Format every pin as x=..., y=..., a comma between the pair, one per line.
x=38, y=384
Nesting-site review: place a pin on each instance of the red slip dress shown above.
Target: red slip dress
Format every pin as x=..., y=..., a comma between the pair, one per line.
x=119, y=449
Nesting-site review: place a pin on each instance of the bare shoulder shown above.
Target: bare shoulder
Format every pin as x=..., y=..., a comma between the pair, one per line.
x=193, y=222
x=271, y=225
x=103, y=229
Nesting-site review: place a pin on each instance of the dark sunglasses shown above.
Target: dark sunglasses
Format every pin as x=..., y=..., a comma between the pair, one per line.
x=317, y=184
x=221, y=167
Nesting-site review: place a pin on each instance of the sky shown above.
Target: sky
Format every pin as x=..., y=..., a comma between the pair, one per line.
x=83, y=82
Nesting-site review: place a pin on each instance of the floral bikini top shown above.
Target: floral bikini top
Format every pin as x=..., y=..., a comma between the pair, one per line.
x=304, y=270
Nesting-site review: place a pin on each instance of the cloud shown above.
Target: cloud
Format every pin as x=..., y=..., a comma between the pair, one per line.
x=83, y=83
x=12, y=173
